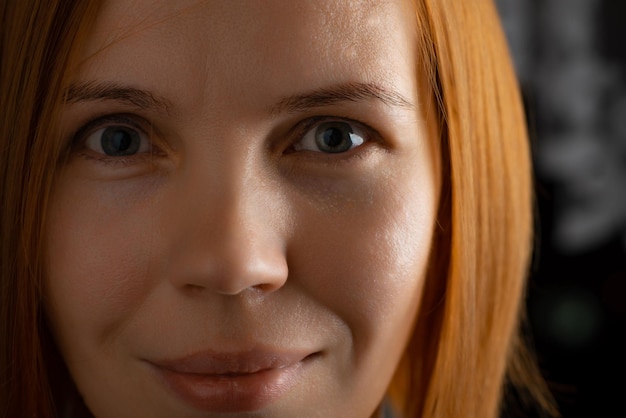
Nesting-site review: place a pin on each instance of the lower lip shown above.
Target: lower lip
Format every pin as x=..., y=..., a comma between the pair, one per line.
x=232, y=393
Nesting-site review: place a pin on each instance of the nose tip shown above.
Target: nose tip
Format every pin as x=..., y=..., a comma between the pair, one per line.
x=228, y=258
x=253, y=266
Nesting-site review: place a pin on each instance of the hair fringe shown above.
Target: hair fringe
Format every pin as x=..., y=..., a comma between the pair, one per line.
x=489, y=231
x=36, y=46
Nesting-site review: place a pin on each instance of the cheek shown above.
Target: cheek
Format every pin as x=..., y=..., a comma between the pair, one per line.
x=365, y=260
x=97, y=260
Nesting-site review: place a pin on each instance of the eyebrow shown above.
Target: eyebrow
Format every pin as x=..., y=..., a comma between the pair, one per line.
x=350, y=92
x=97, y=91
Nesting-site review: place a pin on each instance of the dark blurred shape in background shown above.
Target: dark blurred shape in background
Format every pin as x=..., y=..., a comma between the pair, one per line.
x=570, y=56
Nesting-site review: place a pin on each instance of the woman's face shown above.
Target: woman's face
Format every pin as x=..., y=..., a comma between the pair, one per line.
x=243, y=225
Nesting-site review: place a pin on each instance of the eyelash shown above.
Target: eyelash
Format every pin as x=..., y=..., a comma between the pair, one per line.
x=306, y=126
x=79, y=139
x=295, y=135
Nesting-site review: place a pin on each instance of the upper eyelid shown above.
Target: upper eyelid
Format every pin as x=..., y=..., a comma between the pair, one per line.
x=304, y=126
x=100, y=122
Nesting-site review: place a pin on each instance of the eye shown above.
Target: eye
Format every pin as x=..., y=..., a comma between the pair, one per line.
x=117, y=141
x=331, y=137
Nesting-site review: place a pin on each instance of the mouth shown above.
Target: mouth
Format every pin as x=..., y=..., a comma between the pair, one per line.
x=233, y=382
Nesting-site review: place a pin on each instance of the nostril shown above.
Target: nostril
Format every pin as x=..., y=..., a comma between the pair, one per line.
x=267, y=287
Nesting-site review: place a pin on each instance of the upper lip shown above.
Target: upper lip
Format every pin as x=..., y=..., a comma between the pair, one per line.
x=215, y=363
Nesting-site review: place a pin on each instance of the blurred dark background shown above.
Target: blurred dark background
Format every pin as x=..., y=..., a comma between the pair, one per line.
x=570, y=56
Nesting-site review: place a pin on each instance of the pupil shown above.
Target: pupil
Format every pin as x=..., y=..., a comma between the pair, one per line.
x=121, y=140
x=118, y=142
x=334, y=137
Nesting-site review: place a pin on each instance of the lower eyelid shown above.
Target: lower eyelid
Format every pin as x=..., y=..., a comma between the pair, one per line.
x=336, y=161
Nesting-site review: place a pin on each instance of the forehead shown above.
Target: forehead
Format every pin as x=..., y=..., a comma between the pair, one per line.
x=247, y=20
x=283, y=44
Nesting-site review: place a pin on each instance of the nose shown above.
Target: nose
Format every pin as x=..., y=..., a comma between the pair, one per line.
x=227, y=237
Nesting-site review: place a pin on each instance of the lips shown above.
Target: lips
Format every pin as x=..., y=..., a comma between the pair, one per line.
x=232, y=382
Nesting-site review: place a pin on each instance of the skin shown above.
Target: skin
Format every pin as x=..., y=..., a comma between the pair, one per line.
x=227, y=231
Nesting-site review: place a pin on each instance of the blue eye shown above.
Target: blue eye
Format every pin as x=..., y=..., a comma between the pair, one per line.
x=117, y=141
x=331, y=137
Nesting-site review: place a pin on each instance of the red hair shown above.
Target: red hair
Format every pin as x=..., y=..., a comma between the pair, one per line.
x=467, y=342
x=36, y=44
